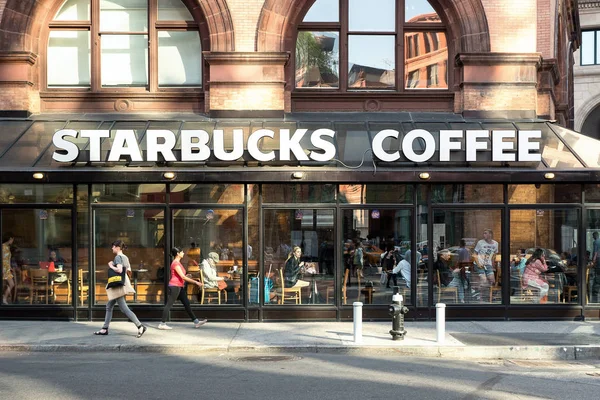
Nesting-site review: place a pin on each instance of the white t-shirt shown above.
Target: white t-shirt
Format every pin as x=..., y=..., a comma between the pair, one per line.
x=485, y=252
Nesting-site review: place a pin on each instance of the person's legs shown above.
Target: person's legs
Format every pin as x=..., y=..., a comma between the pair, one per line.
x=173, y=294
x=10, y=284
x=123, y=306
x=109, y=313
x=182, y=297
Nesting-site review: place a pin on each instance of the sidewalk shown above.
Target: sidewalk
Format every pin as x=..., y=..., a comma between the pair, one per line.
x=563, y=340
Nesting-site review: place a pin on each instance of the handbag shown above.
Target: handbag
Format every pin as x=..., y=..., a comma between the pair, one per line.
x=116, y=292
x=221, y=285
x=128, y=288
x=115, y=279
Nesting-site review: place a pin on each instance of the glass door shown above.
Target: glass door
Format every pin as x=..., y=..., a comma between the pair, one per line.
x=212, y=240
x=592, y=259
x=143, y=231
x=299, y=256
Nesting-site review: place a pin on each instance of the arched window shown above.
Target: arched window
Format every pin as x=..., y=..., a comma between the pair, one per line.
x=141, y=45
x=382, y=45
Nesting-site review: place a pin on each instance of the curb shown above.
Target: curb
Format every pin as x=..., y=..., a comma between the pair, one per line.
x=451, y=352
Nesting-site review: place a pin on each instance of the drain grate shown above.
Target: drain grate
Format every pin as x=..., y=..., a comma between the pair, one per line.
x=268, y=358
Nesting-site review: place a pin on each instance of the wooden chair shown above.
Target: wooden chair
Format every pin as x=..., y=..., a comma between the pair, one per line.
x=62, y=290
x=83, y=289
x=496, y=289
x=283, y=293
x=22, y=286
x=442, y=291
x=209, y=293
x=330, y=289
x=39, y=284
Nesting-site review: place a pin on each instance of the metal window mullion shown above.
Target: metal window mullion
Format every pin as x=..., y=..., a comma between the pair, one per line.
x=95, y=48
x=400, y=14
x=152, y=46
x=343, y=86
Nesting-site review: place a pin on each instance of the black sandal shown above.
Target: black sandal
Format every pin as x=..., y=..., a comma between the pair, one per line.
x=140, y=333
x=100, y=333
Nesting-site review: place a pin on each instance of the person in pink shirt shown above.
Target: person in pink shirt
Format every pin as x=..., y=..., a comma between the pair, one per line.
x=535, y=266
x=177, y=292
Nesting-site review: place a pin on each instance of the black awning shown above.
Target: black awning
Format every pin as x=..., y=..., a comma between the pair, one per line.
x=26, y=144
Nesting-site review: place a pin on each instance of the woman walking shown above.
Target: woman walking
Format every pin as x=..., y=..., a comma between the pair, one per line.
x=117, y=295
x=177, y=292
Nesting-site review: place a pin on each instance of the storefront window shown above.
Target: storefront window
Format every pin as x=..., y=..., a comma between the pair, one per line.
x=253, y=248
x=56, y=194
x=216, y=236
x=466, y=256
x=217, y=193
x=467, y=194
x=592, y=193
x=83, y=246
x=143, y=231
x=299, y=193
x=550, y=235
x=534, y=194
x=592, y=260
x=129, y=193
x=36, y=256
x=375, y=245
x=300, y=252
x=376, y=194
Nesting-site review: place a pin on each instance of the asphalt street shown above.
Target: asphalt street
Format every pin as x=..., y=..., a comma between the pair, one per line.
x=284, y=376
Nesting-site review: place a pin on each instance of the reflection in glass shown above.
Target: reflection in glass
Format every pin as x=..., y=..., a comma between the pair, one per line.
x=362, y=16
x=209, y=193
x=588, y=47
x=426, y=60
x=538, y=194
x=323, y=11
x=69, y=58
x=179, y=59
x=202, y=232
x=143, y=231
x=17, y=193
x=128, y=193
x=371, y=61
x=317, y=59
x=419, y=11
x=466, y=256
x=584, y=146
x=31, y=239
x=376, y=194
x=307, y=278
x=467, y=194
x=555, y=233
x=83, y=246
x=592, y=193
x=173, y=10
x=592, y=262
x=74, y=10
x=299, y=193
x=369, y=235
x=253, y=249
x=124, y=60
x=124, y=15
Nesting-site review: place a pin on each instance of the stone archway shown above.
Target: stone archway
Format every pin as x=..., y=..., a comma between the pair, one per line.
x=23, y=20
x=588, y=123
x=465, y=19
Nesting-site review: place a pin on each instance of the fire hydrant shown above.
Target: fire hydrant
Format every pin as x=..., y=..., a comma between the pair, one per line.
x=397, y=311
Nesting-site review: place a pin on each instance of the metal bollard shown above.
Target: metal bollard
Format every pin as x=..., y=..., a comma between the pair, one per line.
x=397, y=311
x=440, y=322
x=357, y=321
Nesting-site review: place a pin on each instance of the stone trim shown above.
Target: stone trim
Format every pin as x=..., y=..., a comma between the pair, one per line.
x=18, y=57
x=497, y=59
x=220, y=58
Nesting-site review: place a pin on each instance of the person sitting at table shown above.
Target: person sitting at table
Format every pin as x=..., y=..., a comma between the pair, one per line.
x=403, y=268
x=534, y=267
x=57, y=260
x=209, y=269
x=293, y=267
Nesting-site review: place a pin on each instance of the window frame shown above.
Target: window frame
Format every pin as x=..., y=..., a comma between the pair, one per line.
x=342, y=27
x=93, y=26
x=595, y=45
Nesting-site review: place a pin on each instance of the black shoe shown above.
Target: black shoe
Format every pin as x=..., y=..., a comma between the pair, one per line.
x=100, y=333
x=141, y=330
